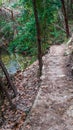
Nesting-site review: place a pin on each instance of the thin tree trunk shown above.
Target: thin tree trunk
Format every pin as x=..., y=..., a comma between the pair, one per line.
x=66, y=19
x=8, y=78
x=3, y=89
x=38, y=36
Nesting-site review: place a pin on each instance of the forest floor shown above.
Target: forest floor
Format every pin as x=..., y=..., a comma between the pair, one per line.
x=53, y=107
x=49, y=107
x=27, y=84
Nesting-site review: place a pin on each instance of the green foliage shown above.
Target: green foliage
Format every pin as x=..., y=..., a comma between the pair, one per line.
x=0, y=2
x=25, y=40
x=6, y=29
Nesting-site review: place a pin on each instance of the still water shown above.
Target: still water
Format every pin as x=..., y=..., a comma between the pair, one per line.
x=14, y=62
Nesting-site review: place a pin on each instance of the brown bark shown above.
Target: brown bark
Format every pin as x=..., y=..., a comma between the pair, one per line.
x=7, y=77
x=65, y=18
x=3, y=90
x=38, y=36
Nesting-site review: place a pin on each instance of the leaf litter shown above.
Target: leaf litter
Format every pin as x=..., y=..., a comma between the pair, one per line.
x=26, y=83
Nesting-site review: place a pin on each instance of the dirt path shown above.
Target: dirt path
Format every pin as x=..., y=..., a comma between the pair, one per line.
x=53, y=107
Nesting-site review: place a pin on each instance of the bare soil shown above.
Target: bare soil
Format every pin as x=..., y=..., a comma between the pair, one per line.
x=49, y=107
x=53, y=107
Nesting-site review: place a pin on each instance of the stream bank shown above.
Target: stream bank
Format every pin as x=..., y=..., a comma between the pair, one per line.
x=56, y=89
x=15, y=62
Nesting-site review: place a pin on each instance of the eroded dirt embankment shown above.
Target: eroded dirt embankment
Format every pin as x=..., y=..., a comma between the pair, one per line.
x=53, y=107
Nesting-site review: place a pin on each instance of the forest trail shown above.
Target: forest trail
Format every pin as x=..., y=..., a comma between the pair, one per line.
x=53, y=107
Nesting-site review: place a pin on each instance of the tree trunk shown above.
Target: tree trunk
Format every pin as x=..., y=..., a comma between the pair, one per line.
x=3, y=90
x=7, y=77
x=66, y=19
x=38, y=36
